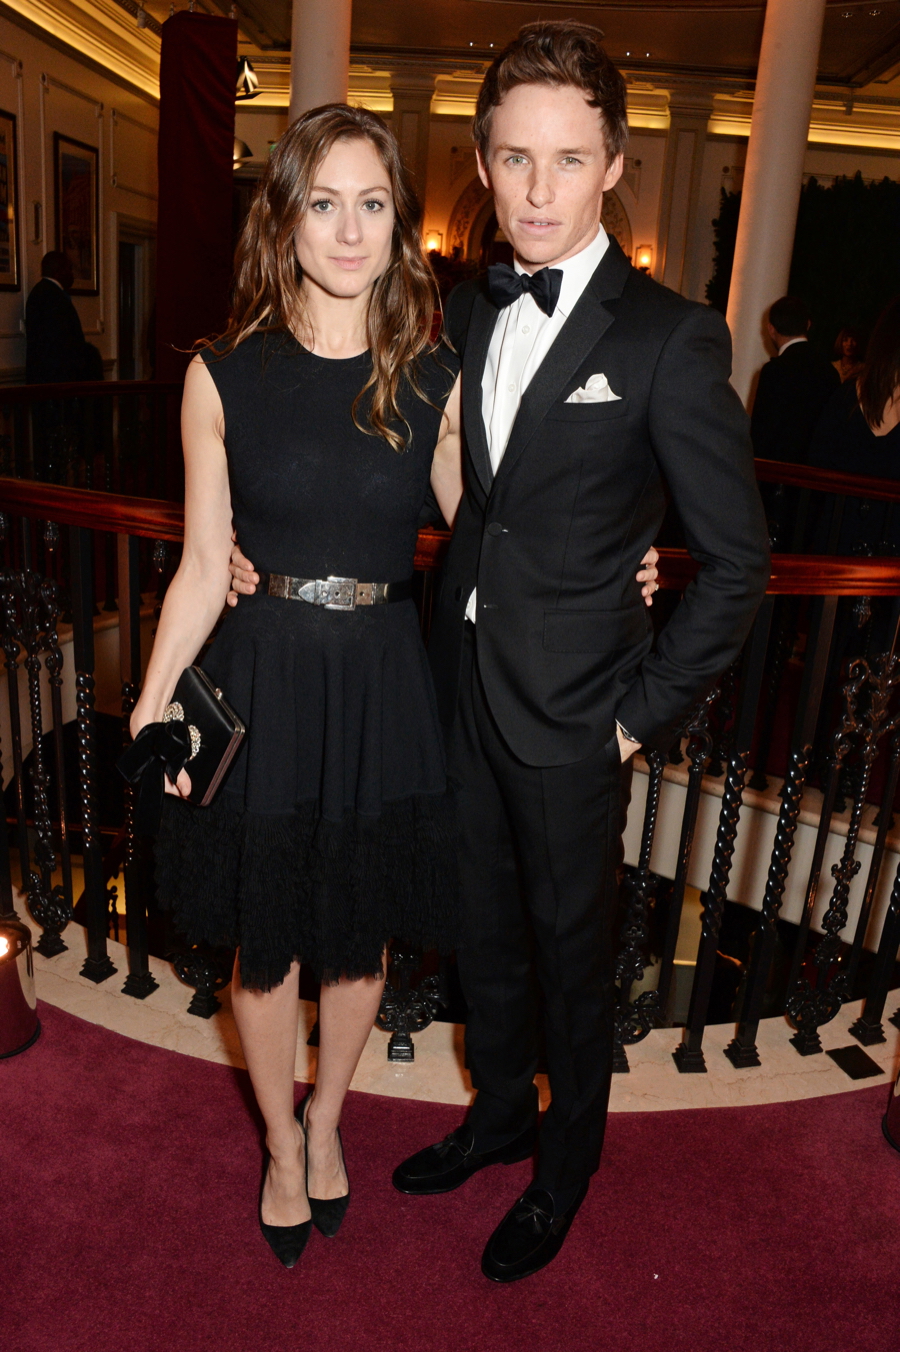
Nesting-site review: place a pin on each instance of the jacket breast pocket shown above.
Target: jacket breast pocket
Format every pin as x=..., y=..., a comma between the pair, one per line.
x=589, y=413
x=594, y=631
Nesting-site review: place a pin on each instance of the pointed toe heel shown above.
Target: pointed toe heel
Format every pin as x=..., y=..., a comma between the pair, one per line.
x=287, y=1242
x=327, y=1212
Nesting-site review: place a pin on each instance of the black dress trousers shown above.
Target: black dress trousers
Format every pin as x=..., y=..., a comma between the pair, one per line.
x=538, y=858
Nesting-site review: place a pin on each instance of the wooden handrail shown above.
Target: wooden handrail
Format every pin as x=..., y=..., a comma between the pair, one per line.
x=828, y=481
x=792, y=574
x=149, y=517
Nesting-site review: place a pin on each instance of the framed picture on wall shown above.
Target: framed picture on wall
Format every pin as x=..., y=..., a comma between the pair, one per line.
x=75, y=171
x=9, y=197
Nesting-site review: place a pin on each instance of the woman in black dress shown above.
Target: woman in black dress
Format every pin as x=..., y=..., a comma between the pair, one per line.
x=314, y=427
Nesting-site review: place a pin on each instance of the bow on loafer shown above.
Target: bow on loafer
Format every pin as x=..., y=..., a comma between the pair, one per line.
x=447, y=1165
x=529, y=1237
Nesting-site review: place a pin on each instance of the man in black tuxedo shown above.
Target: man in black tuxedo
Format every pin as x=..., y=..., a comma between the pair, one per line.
x=589, y=392
x=55, y=349
x=793, y=387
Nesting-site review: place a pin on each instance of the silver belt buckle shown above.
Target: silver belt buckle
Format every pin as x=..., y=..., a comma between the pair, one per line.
x=337, y=593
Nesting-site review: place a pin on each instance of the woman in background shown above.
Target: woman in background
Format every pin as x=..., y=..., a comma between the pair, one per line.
x=859, y=433
x=848, y=353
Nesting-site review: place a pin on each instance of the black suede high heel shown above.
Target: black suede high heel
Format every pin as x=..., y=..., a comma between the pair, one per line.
x=287, y=1242
x=327, y=1212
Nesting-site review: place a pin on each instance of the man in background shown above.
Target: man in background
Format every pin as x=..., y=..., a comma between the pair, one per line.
x=56, y=352
x=56, y=349
x=793, y=389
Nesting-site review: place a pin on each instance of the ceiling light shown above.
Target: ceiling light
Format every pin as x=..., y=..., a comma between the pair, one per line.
x=247, y=79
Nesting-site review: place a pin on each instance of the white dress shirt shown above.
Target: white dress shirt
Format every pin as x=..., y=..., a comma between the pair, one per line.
x=521, y=340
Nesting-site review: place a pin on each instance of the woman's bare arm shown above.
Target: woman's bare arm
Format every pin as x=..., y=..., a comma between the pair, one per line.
x=197, y=592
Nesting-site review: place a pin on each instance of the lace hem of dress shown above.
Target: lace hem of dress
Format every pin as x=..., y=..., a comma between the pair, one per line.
x=331, y=894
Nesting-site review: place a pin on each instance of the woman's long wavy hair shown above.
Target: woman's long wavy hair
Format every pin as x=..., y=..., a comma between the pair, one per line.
x=879, y=381
x=268, y=294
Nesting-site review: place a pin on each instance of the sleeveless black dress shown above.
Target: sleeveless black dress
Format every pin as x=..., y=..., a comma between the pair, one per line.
x=334, y=831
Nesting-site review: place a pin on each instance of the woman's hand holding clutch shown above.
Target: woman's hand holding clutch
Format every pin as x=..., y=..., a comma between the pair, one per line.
x=140, y=719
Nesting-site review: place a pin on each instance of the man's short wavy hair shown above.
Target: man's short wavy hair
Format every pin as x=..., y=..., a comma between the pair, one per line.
x=556, y=53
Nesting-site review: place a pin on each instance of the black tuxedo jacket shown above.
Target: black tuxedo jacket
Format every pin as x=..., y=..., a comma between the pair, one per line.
x=553, y=542
x=55, y=347
x=792, y=391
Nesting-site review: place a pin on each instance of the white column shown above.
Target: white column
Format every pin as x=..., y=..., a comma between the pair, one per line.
x=689, y=110
x=412, y=92
x=782, y=104
x=320, y=54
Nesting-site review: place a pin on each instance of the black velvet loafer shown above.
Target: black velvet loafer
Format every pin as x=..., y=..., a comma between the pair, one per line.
x=450, y=1163
x=529, y=1236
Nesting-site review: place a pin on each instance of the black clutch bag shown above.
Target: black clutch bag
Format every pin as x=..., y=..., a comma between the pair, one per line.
x=214, y=729
x=200, y=733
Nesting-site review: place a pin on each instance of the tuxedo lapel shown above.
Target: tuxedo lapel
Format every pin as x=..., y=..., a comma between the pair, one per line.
x=478, y=340
x=584, y=328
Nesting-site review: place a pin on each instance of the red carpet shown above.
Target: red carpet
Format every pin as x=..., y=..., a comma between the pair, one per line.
x=128, y=1203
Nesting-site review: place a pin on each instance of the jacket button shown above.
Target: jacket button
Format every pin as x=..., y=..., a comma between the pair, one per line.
x=495, y=528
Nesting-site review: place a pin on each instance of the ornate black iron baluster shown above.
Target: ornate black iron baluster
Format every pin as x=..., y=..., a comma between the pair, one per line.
x=97, y=965
x=10, y=581
x=406, y=1009
x=160, y=560
x=31, y=615
x=781, y=651
x=815, y=871
x=851, y=965
x=812, y=1003
x=723, y=719
x=689, y=1056
x=699, y=747
x=207, y=972
x=634, y=1019
x=742, y=1050
x=868, y=1028
x=54, y=664
x=136, y=866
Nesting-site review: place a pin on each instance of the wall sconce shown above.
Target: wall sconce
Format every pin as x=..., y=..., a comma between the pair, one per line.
x=242, y=153
x=247, y=79
x=643, y=259
x=434, y=241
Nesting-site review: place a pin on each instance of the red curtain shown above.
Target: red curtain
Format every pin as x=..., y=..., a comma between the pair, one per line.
x=198, y=65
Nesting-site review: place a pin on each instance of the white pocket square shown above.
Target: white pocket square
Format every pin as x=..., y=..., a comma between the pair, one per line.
x=596, y=391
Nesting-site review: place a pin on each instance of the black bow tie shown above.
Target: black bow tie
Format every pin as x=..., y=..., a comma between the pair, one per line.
x=507, y=285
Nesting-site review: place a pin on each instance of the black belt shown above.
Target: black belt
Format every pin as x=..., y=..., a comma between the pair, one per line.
x=334, y=593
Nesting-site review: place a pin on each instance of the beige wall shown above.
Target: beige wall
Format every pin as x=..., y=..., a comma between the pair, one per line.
x=49, y=91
